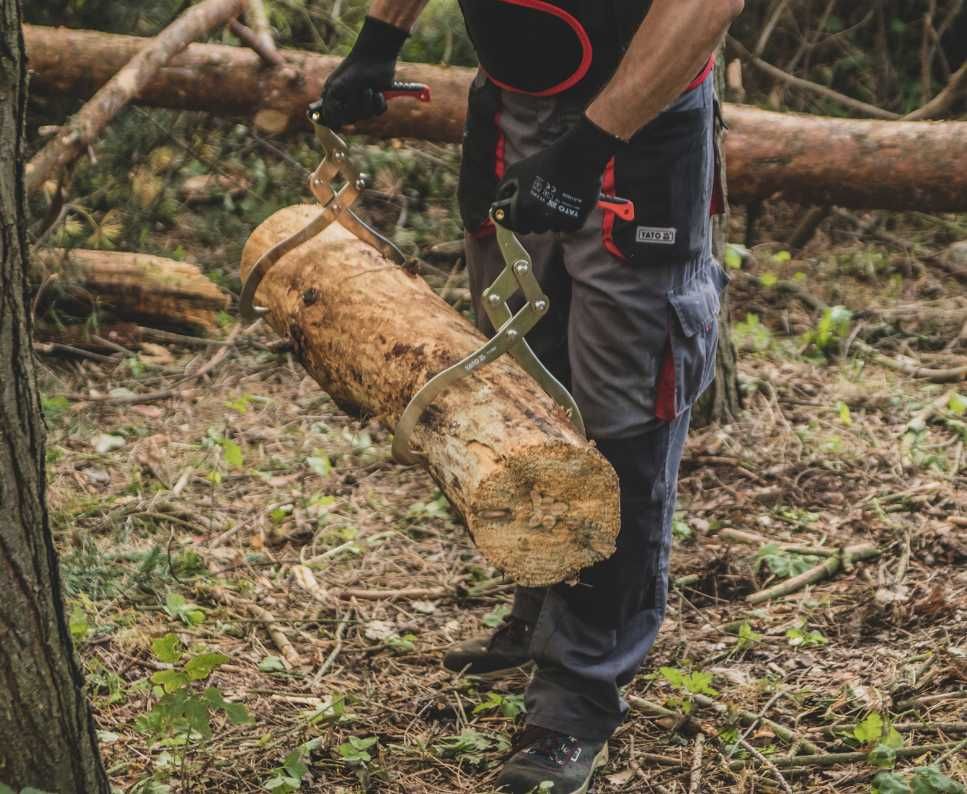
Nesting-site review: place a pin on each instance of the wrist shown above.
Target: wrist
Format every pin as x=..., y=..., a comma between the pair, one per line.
x=594, y=144
x=379, y=39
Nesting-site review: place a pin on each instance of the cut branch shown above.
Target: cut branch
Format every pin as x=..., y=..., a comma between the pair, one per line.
x=825, y=570
x=85, y=128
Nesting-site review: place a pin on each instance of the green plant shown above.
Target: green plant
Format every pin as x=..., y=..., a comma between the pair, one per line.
x=289, y=776
x=355, y=751
x=178, y=608
x=803, y=637
x=783, y=564
x=184, y=710
x=747, y=638
x=471, y=746
x=510, y=706
x=924, y=780
x=496, y=616
x=751, y=335
x=688, y=685
x=833, y=327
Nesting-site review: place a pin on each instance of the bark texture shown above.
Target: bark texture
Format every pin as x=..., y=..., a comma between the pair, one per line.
x=151, y=290
x=806, y=159
x=47, y=738
x=541, y=503
x=85, y=128
x=875, y=164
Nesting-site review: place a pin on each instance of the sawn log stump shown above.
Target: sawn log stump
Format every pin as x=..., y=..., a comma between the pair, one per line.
x=541, y=502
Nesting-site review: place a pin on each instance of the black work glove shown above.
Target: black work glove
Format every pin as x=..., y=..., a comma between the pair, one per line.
x=354, y=92
x=555, y=190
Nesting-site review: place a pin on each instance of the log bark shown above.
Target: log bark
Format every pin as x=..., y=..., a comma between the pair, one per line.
x=876, y=164
x=807, y=159
x=122, y=87
x=541, y=503
x=150, y=290
x=47, y=736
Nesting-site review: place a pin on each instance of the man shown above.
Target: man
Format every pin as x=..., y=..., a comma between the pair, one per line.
x=576, y=97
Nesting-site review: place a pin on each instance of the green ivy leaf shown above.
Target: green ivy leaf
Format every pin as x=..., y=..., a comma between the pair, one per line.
x=870, y=729
x=169, y=680
x=200, y=667
x=494, y=618
x=167, y=649
x=232, y=453
x=237, y=713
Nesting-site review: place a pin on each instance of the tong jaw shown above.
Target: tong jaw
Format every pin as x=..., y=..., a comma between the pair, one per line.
x=518, y=274
x=336, y=206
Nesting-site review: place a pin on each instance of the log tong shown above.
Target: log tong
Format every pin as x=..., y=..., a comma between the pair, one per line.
x=337, y=202
x=518, y=273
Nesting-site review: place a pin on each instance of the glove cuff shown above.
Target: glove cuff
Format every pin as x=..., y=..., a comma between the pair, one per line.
x=379, y=39
x=593, y=143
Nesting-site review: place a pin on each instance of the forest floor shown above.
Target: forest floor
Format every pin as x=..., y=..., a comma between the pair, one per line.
x=247, y=516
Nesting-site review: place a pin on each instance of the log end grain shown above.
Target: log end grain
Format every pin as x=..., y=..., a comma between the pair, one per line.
x=546, y=514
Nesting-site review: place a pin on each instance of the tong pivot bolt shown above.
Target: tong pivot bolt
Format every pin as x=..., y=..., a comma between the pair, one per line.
x=494, y=299
x=541, y=306
x=521, y=267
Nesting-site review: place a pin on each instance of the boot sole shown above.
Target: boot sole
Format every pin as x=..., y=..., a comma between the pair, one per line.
x=600, y=760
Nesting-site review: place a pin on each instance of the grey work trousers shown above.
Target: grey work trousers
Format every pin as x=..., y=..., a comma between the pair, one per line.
x=632, y=330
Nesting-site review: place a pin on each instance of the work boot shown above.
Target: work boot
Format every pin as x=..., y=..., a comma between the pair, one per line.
x=507, y=649
x=545, y=756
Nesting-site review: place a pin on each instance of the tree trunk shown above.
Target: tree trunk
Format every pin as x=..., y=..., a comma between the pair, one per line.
x=85, y=128
x=805, y=159
x=47, y=738
x=149, y=290
x=541, y=503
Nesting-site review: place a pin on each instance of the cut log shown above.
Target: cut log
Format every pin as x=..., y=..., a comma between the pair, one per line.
x=541, y=503
x=808, y=159
x=915, y=165
x=87, y=125
x=148, y=289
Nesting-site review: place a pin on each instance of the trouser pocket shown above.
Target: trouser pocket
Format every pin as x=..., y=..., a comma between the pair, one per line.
x=689, y=365
x=481, y=156
x=666, y=170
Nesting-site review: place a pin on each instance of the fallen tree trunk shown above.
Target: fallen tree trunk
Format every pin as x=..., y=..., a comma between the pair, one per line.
x=899, y=165
x=540, y=502
x=85, y=128
x=807, y=159
x=148, y=289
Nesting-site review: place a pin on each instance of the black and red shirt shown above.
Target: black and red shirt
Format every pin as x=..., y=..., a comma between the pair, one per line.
x=547, y=47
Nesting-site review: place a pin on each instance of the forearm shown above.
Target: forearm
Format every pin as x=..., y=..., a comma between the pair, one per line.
x=401, y=13
x=669, y=49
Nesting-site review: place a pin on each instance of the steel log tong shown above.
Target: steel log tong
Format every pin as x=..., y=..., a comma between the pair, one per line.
x=518, y=274
x=337, y=202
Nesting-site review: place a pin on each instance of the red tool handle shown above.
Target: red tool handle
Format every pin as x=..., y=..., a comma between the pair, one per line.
x=417, y=91
x=622, y=207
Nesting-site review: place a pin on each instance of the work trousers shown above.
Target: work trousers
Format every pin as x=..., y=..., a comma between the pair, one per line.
x=632, y=331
